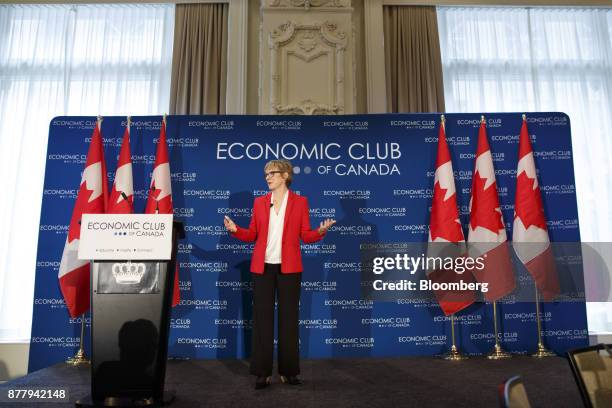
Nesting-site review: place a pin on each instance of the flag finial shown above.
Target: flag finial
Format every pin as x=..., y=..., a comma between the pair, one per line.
x=164, y=118
x=129, y=121
x=524, y=117
x=482, y=119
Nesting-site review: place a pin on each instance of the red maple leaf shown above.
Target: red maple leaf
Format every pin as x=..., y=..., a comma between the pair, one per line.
x=528, y=206
x=152, y=203
x=154, y=192
x=484, y=206
x=444, y=216
x=81, y=206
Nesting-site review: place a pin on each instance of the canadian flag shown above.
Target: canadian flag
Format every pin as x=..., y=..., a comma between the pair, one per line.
x=159, y=200
x=91, y=199
x=445, y=234
x=487, y=234
x=529, y=233
x=121, y=199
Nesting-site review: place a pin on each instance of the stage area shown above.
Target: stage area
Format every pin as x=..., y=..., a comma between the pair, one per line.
x=371, y=382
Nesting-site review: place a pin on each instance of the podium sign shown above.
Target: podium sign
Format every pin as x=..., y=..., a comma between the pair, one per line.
x=126, y=237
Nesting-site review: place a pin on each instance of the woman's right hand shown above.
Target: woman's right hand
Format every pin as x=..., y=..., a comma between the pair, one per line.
x=229, y=224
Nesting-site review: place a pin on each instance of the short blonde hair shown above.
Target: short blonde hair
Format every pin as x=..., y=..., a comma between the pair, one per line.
x=281, y=165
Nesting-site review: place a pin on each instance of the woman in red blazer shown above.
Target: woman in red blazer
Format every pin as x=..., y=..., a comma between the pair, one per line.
x=280, y=220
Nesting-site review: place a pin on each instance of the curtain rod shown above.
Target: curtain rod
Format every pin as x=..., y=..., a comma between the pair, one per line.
x=113, y=1
x=527, y=3
x=500, y=3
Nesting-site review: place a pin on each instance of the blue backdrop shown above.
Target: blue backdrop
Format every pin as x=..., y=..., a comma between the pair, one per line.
x=372, y=173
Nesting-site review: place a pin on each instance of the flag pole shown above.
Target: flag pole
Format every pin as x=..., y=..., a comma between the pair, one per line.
x=542, y=350
x=498, y=353
x=80, y=358
x=454, y=354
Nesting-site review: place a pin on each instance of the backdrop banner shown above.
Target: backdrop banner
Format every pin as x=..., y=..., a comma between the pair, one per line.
x=372, y=173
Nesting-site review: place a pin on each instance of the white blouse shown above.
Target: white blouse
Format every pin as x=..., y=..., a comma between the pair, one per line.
x=275, y=233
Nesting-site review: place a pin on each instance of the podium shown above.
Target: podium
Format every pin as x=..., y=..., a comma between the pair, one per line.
x=130, y=324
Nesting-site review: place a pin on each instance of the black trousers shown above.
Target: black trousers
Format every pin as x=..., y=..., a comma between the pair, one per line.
x=266, y=287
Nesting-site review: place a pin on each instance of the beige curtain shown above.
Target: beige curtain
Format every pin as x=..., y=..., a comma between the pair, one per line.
x=413, y=64
x=199, y=60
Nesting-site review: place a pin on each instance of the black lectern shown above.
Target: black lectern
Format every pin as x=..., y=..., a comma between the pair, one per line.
x=130, y=324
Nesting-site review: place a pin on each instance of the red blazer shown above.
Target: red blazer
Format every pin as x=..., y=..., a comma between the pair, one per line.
x=296, y=226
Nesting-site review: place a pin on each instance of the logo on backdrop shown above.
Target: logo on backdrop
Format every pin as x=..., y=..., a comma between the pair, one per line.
x=346, y=124
x=558, y=189
x=349, y=304
x=279, y=124
x=414, y=193
x=528, y=317
x=475, y=123
x=67, y=158
x=355, y=159
x=463, y=319
x=551, y=120
x=143, y=124
x=414, y=124
x=424, y=340
x=319, y=286
x=74, y=123
x=346, y=266
x=205, y=304
x=505, y=337
x=319, y=324
x=350, y=342
x=318, y=249
x=212, y=124
x=203, y=342
x=53, y=303
x=207, y=194
x=58, y=229
x=386, y=322
x=181, y=177
x=205, y=266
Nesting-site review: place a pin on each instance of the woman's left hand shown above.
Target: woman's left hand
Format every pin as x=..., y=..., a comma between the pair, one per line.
x=325, y=225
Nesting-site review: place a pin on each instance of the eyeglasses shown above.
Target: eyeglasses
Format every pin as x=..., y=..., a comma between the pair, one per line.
x=271, y=173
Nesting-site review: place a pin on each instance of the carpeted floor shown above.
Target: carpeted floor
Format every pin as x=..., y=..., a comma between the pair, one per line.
x=372, y=382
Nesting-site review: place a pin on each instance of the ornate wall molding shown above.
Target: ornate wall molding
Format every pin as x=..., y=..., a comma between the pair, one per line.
x=306, y=42
x=307, y=4
x=307, y=61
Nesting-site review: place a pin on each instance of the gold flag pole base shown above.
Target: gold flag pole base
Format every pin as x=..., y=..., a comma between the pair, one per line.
x=78, y=359
x=454, y=355
x=498, y=353
x=543, y=352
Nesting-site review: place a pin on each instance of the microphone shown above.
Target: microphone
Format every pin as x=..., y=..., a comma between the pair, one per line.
x=271, y=205
x=125, y=197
